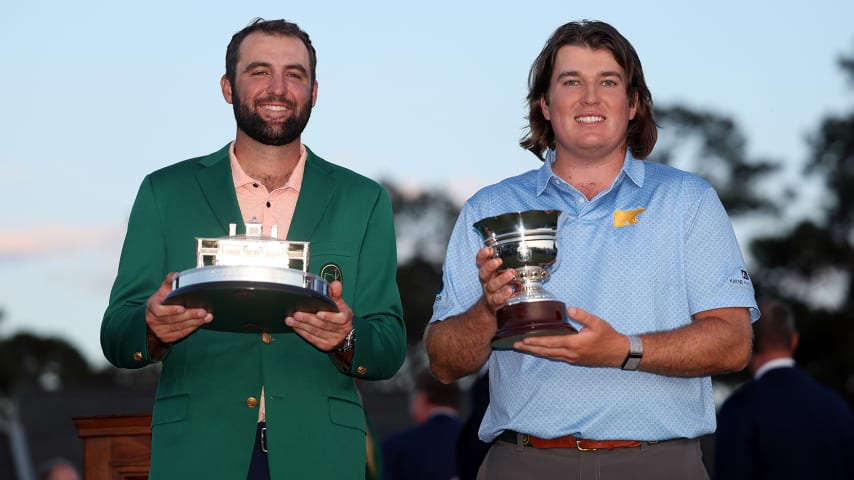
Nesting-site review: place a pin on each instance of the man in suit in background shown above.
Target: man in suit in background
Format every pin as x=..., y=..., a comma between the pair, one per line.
x=264, y=404
x=470, y=448
x=426, y=451
x=783, y=424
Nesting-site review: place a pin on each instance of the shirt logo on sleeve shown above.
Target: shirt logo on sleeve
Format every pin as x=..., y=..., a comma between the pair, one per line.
x=742, y=279
x=624, y=218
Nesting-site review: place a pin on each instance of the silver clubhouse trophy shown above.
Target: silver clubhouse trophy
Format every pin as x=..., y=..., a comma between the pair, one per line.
x=250, y=282
x=526, y=242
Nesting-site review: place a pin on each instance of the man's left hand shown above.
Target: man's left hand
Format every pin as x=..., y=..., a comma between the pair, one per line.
x=597, y=344
x=325, y=330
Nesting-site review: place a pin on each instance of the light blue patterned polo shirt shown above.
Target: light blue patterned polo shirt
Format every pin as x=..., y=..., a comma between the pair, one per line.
x=679, y=258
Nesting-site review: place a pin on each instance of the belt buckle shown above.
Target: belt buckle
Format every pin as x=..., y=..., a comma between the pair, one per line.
x=264, y=439
x=582, y=449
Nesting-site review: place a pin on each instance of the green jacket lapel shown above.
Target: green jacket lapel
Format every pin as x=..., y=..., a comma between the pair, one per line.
x=217, y=183
x=318, y=185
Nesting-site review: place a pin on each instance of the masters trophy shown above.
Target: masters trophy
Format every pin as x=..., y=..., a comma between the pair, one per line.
x=526, y=242
x=250, y=282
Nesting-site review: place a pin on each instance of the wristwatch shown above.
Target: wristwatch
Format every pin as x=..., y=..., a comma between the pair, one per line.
x=635, y=353
x=349, y=342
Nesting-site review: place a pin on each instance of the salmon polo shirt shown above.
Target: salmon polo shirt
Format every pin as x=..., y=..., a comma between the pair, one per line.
x=268, y=208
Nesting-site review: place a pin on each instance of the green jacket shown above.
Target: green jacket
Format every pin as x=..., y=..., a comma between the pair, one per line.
x=203, y=425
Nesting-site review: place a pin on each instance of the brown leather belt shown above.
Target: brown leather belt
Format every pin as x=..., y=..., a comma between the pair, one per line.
x=568, y=441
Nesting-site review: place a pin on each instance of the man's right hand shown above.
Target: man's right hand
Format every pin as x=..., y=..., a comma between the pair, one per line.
x=170, y=323
x=496, y=290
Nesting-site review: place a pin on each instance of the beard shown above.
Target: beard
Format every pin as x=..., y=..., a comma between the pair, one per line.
x=259, y=130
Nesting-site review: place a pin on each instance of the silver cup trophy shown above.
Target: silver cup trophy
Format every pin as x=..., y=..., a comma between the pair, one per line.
x=526, y=242
x=250, y=282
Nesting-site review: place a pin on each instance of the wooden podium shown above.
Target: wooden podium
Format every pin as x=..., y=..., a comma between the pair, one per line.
x=115, y=448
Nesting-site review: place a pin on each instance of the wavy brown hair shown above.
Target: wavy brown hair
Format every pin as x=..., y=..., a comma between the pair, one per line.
x=642, y=132
x=270, y=27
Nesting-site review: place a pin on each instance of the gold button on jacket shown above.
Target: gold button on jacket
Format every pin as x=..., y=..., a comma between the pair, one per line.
x=251, y=402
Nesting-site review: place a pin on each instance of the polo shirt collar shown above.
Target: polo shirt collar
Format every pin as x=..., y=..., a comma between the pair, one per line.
x=632, y=169
x=241, y=178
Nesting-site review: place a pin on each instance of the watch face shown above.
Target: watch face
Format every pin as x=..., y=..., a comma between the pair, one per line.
x=632, y=361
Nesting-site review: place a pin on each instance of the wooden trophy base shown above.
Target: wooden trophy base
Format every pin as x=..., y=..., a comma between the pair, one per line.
x=530, y=319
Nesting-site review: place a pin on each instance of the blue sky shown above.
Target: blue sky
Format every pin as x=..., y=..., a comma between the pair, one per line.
x=424, y=94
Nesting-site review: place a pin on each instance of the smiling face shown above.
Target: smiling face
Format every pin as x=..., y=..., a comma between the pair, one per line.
x=273, y=91
x=588, y=105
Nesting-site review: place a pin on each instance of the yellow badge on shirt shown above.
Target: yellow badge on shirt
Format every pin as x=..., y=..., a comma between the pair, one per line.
x=624, y=218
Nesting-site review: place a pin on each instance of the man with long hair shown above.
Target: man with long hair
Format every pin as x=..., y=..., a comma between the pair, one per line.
x=648, y=266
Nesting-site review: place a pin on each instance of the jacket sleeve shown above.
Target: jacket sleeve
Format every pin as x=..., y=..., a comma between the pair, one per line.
x=378, y=314
x=140, y=273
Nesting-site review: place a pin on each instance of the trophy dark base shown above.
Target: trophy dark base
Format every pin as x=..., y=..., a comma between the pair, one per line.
x=530, y=319
x=249, y=307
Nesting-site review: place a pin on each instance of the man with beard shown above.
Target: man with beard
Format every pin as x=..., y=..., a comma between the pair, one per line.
x=262, y=404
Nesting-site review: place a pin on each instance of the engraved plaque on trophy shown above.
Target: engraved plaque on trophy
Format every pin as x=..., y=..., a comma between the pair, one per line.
x=250, y=282
x=526, y=242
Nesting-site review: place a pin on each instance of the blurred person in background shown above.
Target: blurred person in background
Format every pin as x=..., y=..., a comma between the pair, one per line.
x=470, y=448
x=782, y=424
x=57, y=469
x=426, y=451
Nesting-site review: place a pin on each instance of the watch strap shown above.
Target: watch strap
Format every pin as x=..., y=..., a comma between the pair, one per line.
x=635, y=353
x=349, y=342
